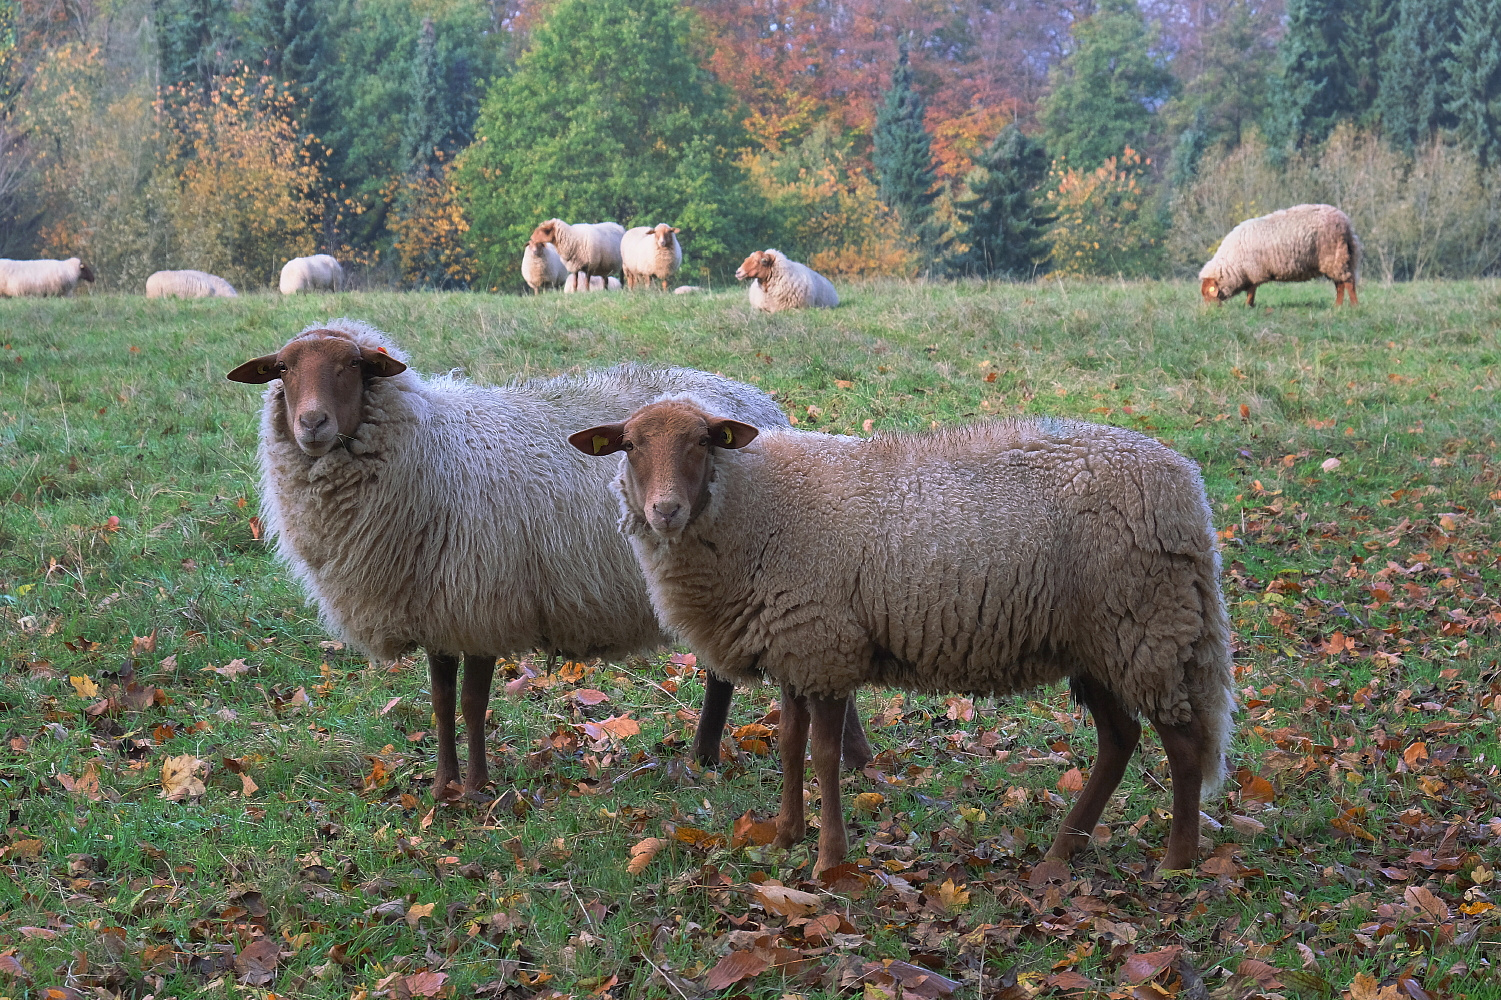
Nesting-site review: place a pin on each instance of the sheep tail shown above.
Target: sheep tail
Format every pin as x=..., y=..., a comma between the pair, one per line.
x=1211, y=681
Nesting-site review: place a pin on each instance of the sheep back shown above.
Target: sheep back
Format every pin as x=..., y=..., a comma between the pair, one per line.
x=188, y=285
x=459, y=519
x=590, y=247
x=39, y=278
x=544, y=268
x=318, y=273
x=792, y=286
x=1294, y=244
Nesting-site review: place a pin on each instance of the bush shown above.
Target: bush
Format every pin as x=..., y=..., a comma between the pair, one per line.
x=429, y=229
x=1105, y=224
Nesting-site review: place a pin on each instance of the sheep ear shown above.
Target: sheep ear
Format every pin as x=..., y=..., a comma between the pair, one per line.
x=257, y=372
x=676, y=229
x=381, y=365
x=731, y=434
x=605, y=439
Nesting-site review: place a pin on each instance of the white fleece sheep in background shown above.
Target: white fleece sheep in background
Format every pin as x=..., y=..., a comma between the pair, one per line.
x=985, y=559
x=1294, y=244
x=650, y=253
x=542, y=268
x=188, y=285
x=778, y=283
x=581, y=282
x=318, y=273
x=688, y=289
x=591, y=249
x=36, y=278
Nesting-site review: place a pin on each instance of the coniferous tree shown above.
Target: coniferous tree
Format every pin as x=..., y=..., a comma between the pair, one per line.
x=903, y=155
x=1227, y=78
x=423, y=140
x=1002, y=218
x=1317, y=86
x=1370, y=25
x=186, y=32
x=290, y=33
x=1415, y=85
x=1475, y=78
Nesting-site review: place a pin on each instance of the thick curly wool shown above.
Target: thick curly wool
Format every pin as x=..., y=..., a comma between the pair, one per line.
x=987, y=559
x=792, y=286
x=188, y=285
x=541, y=267
x=459, y=519
x=31, y=278
x=593, y=248
x=650, y=253
x=1295, y=244
x=318, y=273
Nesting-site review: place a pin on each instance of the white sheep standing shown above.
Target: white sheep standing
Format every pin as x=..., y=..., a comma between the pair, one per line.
x=588, y=248
x=1293, y=244
x=188, y=285
x=34, y=278
x=428, y=511
x=987, y=559
x=542, y=268
x=650, y=253
x=778, y=283
x=581, y=282
x=318, y=273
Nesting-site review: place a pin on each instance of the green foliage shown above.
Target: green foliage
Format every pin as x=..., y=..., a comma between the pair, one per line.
x=1415, y=84
x=190, y=40
x=1105, y=91
x=609, y=116
x=1105, y=226
x=1227, y=79
x=903, y=153
x=1476, y=74
x=1330, y=59
x=287, y=38
x=1000, y=212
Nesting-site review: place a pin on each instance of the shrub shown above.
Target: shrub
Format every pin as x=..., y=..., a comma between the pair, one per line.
x=1105, y=224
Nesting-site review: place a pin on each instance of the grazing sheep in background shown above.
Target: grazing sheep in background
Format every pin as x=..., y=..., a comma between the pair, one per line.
x=541, y=267
x=577, y=283
x=318, y=273
x=688, y=289
x=650, y=254
x=592, y=249
x=986, y=559
x=427, y=512
x=778, y=283
x=33, y=278
x=188, y=285
x=1294, y=244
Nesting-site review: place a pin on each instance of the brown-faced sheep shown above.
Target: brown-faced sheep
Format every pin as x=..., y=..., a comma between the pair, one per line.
x=588, y=248
x=649, y=254
x=29, y=278
x=987, y=559
x=778, y=283
x=1294, y=244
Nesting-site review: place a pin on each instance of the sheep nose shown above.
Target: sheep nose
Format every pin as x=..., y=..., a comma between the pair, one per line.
x=312, y=420
x=666, y=510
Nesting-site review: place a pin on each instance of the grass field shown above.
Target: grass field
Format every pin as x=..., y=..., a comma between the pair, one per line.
x=148, y=642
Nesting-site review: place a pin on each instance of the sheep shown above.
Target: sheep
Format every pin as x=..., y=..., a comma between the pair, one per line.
x=428, y=512
x=581, y=282
x=778, y=283
x=592, y=249
x=1294, y=244
x=650, y=253
x=541, y=267
x=188, y=285
x=986, y=559
x=31, y=278
x=688, y=289
x=318, y=273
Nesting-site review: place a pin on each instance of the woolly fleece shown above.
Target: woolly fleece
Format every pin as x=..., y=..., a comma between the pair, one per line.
x=792, y=286
x=544, y=269
x=643, y=258
x=318, y=273
x=188, y=285
x=1293, y=244
x=31, y=278
x=591, y=247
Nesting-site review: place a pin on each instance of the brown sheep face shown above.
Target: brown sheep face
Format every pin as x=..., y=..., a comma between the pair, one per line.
x=545, y=233
x=323, y=386
x=757, y=265
x=1212, y=291
x=86, y=273
x=668, y=468
x=664, y=233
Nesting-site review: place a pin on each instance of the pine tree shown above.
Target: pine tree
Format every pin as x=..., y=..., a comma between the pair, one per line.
x=1475, y=78
x=903, y=155
x=1370, y=25
x=291, y=38
x=1192, y=143
x=1104, y=90
x=1331, y=58
x=186, y=31
x=1415, y=85
x=427, y=132
x=1003, y=222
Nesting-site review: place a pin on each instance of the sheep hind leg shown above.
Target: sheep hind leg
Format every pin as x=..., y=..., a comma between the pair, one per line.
x=1184, y=745
x=1251, y=298
x=792, y=740
x=827, y=722
x=1118, y=735
x=1339, y=293
x=443, y=672
x=711, y=719
x=479, y=671
x=857, y=749
x=1350, y=288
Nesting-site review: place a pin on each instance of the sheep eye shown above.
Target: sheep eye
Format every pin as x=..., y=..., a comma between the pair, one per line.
x=281, y=366
x=705, y=442
x=627, y=446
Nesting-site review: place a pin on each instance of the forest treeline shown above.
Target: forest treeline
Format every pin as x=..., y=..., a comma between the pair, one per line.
x=421, y=140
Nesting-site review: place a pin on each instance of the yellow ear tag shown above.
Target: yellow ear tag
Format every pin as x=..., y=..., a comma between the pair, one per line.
x=600, y=443
x=261, y=370
x=729, y=436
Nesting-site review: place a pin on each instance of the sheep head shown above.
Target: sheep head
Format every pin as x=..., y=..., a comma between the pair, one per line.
x=667, y=444
x=323, y=385
x=545, y=233
x=664, y=234
x=1211, y=290
x=757, y=265
x=85, y=273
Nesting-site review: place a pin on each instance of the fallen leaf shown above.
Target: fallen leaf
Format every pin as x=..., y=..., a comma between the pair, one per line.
x=87, y=785
x=951, y=896
x=785, y=902
x=256, y=965
x=1255, y=788
x=620, y=726
x=735, y=966
x=1423, y=899
x=642, y=853
x=1264, y=974
x=868, y=802
x=85, y=686
x=589, y=696
x=1072, y=781
x=180, y=778
x=749, y=830
x=1330, y=464
x=425, y=983
x=1141, y=967
x=418, y=911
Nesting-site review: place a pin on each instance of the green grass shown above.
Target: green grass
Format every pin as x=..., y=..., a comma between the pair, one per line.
x=1362, y=596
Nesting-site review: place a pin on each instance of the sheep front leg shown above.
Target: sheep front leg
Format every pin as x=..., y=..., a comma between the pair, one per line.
x=792, y=740
x=857, y=750
x=443, y=672
x=827, y=722
x=1251, y=298
x=1118, y=735
x=479, y=671
x=711, y=719
x=1184, y=745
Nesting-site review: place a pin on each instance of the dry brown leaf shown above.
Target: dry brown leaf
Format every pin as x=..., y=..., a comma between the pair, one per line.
x=1141, y=967
x=868, y=802
x=426, y=984
x=589, y=696
x=735, y=966
x=85, y=686
x=951, y=896
x=87, y=785
x=256, y=965
x=784, y=901
x=418, y=911
x=180, y=778
x=1426, y=901
x=620, y=726
x=749, y=830
x=1072, y=781
x=642, y=854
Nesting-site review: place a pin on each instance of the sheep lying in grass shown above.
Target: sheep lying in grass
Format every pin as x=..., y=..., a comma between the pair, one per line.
x=778, y=283
x=541, y=267
x=649, y=254
x=428, y=512
x=318, y=273
x=590, y=249
x=986, y=559
x=33, y=278
x=188, y=285
x=1294, y=244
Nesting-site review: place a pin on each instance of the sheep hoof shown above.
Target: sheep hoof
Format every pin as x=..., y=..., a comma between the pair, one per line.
x=785, y=838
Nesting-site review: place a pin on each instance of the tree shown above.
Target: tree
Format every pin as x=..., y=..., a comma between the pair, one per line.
x=1226, y=72
x=290, y=37
x=427, y=126
x=1330, y=66
x=187, y=39
x=609, y=116
x=903, y=155
x=1475, y=75
x=1106, y=90
x=1415, y=85
x=1002, y=219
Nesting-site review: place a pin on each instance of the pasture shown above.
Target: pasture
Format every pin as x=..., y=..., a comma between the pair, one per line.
x=205, y=796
